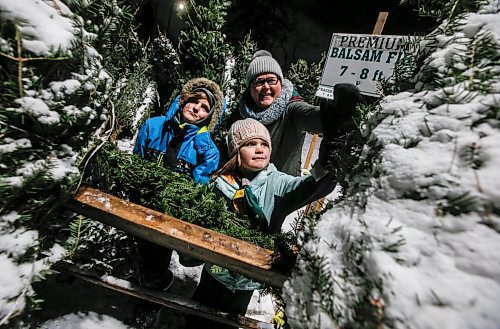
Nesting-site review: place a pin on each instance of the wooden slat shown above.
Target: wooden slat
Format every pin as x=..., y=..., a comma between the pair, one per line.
x=199, y=242
x=175, y=302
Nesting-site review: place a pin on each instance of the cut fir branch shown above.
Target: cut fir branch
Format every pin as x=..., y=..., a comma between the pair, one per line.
x=153, y=186
x=456, y=205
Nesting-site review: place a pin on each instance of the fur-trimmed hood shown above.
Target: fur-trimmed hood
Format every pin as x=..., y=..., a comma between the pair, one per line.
x=220, y=102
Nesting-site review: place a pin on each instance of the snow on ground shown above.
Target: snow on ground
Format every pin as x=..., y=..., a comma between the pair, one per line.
x=423, y=251
x=81, y=320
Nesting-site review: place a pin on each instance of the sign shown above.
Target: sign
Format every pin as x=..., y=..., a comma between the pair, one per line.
x=363, y=60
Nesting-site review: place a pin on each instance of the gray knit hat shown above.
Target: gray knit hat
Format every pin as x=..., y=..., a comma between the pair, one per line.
x=243, y=131
x=263, y=62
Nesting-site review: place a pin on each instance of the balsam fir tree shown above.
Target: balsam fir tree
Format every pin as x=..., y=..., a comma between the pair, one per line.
x=399, y=251
x=62, y=97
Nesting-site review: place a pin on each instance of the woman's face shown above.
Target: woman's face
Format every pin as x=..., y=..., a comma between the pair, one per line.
x=254, y=155
x=265, y=89
x=196, y=109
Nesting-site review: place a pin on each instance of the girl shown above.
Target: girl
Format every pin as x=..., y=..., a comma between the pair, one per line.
x=179, y=140
x=253, y=187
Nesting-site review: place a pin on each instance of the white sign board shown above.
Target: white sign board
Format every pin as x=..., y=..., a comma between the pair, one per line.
x=363, y=60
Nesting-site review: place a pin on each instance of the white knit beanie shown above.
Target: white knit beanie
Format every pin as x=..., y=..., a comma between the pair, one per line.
x=263, y=62
x=243, y=131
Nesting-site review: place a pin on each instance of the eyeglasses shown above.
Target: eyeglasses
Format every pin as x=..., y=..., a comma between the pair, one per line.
x=271, y=81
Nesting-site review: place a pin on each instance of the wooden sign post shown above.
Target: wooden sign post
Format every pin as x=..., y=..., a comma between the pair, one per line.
x=377, y=30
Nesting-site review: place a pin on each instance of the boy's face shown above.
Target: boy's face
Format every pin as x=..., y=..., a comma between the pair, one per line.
x=196, y=109
x=254, y=155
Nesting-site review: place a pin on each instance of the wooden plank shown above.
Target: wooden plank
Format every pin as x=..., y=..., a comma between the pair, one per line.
x=379, y=25
x=175, y=302
x=199, y=242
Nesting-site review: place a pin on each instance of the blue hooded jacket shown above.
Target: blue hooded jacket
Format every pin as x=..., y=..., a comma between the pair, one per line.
x=197, y=151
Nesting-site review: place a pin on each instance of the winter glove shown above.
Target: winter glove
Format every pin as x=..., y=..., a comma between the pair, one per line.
x=340, y=155
x=337, y=115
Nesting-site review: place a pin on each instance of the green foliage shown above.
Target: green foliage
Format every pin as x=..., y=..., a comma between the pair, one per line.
x=115, y=37
x=325, y=287
x=166, y=68
x=203, y=46
x=103, y=249
x=457, y=204
x=51, y=110
x=323, y=283
x=442, y=9
x=480, y=61
x=132, y=94
x=246, y=48
x=470, y=58
x=34, y=164
x=76, y=228
x=472, y=156
x=158, y=188
x=305, y=77
x=404, y=71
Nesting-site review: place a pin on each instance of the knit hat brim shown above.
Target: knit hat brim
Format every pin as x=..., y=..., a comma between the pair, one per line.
x=243, y=131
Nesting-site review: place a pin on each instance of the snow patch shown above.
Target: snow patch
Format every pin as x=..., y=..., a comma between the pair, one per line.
x=13, y=145
x=44, y=29
x=38, y=109
x=81, y=320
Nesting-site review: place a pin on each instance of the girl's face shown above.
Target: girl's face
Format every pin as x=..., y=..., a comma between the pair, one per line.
x=196, y=109
x=265, y=89
x=254, y=155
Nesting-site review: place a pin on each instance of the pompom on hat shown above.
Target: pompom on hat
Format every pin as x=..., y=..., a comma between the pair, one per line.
x=243, y=131
x=263, y=62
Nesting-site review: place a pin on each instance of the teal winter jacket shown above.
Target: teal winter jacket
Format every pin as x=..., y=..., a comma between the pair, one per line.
x=278, y=194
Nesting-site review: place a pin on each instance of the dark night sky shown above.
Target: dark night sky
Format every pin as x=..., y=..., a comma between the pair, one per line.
x=308, y=25
x=293, y=29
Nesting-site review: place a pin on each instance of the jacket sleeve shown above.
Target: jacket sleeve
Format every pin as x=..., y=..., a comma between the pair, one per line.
x=142, y=141
x=306, y=116
x=208, y=162
x=293, y=193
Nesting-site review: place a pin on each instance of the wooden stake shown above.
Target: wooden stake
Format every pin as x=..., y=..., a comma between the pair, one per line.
x=311, y=151
x=379, y=25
